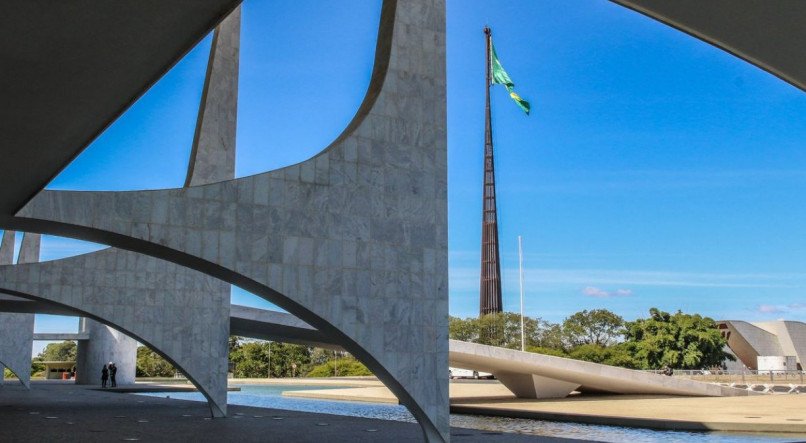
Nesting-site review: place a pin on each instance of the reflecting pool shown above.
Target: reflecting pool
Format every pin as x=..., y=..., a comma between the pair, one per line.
x=270, y=396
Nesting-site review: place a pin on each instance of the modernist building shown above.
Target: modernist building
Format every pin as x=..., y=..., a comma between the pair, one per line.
x=748, y=341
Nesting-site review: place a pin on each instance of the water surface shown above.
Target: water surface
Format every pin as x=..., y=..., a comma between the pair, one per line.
x=270, y=396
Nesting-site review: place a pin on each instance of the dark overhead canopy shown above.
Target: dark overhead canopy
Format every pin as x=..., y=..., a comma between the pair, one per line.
x=68, y=69
x=770, y=34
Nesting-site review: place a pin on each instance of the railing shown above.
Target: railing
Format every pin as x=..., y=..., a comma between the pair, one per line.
x=744, y=377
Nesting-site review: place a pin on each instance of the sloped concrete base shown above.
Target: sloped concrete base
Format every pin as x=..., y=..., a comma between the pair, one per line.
x=535, y=386
x=592, y=377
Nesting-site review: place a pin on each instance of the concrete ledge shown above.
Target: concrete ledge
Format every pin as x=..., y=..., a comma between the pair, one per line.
x=632, y=422
x=368, y=395
x=352, y=382
x=61, y=336
x=779, y=414
x=139, y=388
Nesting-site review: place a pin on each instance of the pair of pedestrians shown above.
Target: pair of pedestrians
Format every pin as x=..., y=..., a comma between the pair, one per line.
x=109, y=372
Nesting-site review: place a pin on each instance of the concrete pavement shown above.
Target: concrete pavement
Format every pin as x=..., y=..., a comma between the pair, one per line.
x=58, y=412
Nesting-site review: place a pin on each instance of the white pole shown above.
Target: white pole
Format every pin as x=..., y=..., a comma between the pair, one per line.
x=520, y=266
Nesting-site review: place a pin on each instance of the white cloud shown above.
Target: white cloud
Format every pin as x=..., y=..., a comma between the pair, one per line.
x=770, y=309
x=467, y=278
x=780, y=309
x=586, y=182
x=592, y=291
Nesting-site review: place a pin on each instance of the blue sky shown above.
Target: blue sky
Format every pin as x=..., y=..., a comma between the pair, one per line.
x=654, y=171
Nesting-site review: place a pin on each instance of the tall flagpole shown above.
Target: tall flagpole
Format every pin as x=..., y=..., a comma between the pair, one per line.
x=490, y=285
x=520, y=267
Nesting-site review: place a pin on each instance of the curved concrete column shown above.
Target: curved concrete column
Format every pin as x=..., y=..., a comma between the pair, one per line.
x=103, y=346
x=16, y=339
x=17, y=330
x=212, y=159
x=212, y=156
x=769, y=35
x=7, y=247
x=352, y=241
x=180, y=313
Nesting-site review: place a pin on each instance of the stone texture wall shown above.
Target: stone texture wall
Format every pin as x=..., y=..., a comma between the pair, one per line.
x=212, y=159
x=16, y=339
x=179, y=312
x=17, y=330
x=352, y=241
x=105, y=345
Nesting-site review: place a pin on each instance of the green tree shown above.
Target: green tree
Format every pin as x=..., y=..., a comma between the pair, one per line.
x=464, y=329
x=37, y=368
x=151, y=364
x=289, y=360
x=500, y=329
x=320, y=356
x=596, y=327
x=551, y=336
x=251, y=359
x=343, y=367
x=547, y=351
x=681, y=341
x=64, y=351
x=616, y=355
x=234, y=343
x=261, y=359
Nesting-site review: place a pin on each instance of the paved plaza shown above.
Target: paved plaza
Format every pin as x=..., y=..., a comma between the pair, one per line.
x=71, y=413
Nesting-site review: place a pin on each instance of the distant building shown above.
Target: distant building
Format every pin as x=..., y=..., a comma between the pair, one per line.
x=748, y=341
x=59, y=370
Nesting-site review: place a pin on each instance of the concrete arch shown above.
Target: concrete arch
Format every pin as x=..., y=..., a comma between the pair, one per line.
x=16, y=340
x=146, y=298
x=4, y=366
x=353, y=241
x=768, y=35
x=17, y=332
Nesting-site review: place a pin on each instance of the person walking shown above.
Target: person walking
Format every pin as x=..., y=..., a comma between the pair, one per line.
x=104, y=376
x=113, y=371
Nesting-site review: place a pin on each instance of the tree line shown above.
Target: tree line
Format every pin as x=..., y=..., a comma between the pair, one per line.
x=247, y=359
x=261, y=359
x=679, y=340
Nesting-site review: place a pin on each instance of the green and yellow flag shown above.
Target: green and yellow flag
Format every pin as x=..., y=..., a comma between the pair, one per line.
x=501, y=77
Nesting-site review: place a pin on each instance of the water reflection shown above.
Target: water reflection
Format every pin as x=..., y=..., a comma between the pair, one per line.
x=270, y=396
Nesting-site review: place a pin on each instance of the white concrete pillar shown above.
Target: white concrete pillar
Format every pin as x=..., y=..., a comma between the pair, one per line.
x=105, y=345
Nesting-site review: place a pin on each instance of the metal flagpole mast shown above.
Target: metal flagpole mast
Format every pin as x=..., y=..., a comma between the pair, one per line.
x=520, y=267
x=490, y=285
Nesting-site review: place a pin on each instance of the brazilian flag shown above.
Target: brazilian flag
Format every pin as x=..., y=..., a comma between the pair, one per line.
x=502, y=78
